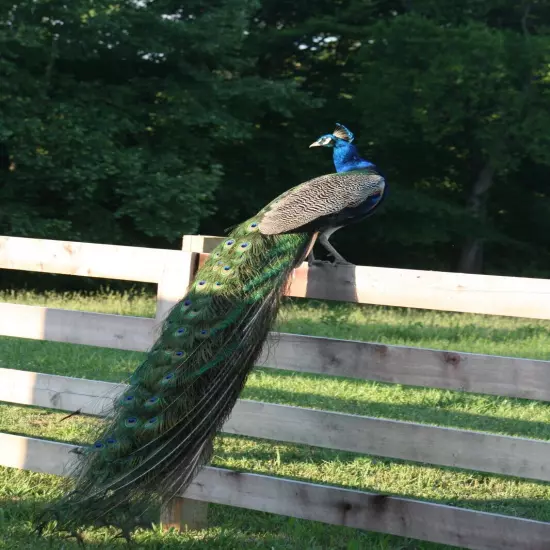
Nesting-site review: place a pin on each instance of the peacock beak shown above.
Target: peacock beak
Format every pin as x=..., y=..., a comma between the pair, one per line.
x=316, y=144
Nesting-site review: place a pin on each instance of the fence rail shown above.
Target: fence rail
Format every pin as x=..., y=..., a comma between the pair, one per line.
x=172, y=270
x=332, y=505
x=513, y=456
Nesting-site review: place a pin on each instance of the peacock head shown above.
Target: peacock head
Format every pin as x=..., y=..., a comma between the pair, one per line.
x=340, y=136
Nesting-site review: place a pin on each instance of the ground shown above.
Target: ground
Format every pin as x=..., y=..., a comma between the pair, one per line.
x=232, y=528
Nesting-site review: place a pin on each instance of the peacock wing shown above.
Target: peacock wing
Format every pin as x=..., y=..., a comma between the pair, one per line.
x=322, y=196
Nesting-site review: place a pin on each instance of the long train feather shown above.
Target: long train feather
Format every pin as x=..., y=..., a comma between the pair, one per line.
x=159, y=433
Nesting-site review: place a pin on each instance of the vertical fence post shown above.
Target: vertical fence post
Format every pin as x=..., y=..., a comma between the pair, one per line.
x=182, y=513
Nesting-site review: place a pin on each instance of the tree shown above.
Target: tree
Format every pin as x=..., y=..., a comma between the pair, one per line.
x=112, y=114
x=468, y=89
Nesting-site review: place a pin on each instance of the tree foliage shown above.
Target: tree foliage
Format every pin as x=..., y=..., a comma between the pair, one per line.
x=112, y=114
x=137, y=122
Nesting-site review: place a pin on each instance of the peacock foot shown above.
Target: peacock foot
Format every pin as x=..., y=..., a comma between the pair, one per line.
x=333, y=263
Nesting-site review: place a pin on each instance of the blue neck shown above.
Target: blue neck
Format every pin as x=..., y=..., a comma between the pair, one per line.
x=346, y=157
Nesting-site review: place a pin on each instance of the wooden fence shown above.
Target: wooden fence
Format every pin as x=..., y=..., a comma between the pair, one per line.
x=172, y=270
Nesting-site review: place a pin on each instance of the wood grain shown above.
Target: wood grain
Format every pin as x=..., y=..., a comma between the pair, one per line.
x=332, y=505
x=506, y=376
x=513, y=456
x=129, y=263
x=77, y=327
x=510, y=296
x=469, y=372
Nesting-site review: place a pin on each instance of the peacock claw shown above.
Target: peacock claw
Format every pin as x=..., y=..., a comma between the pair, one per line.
x=334, y=263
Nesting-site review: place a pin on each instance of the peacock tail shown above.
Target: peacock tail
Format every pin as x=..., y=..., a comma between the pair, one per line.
x=159, y=433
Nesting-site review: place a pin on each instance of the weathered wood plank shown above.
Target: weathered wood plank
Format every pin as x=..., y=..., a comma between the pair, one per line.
x=513, y=456
x=461, y=292
x=182, y=513
x=129, y=263
x=507, y=376
x=77, y=327
x=511, y=296
x=493, y=295
x=200, y=243
x=173, y=284
x=470, y=372
x=57, y=392
x=332, y=505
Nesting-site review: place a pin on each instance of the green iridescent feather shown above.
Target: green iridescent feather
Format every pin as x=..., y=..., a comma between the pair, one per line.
x=160, y=431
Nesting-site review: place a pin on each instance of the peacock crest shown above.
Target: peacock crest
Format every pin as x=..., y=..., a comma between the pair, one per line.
x=341, y=132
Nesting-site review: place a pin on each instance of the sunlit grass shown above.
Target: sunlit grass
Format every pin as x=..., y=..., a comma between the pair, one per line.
x=232, y=528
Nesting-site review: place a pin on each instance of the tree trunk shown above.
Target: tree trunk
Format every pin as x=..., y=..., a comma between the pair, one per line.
x=471, y=257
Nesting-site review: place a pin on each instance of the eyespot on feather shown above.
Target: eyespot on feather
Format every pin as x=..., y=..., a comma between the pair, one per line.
x=201, y=285
x=128, y=400
x=168, y=379
x=227, y=270
x=131, y=422
x=153, y=422
x=152, y=401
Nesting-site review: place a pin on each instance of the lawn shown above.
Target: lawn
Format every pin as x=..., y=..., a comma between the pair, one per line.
x=232, y=528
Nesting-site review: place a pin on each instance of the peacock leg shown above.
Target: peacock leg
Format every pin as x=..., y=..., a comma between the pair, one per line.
x=323, y=240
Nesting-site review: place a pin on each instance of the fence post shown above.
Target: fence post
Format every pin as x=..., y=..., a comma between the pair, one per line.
x=182, y=513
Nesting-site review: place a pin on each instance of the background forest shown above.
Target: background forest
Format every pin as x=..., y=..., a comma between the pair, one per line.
x=137, y=121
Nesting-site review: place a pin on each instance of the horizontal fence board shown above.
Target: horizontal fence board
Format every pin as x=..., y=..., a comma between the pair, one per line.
x=57, y=392
x=128, y=263
x=506, y=376
x=513, y=456
x=333, y=505
x=460, y=292
x=495, y=295
x=470, y=372
x=76, y=327
x=480, y=451
x=488, y=294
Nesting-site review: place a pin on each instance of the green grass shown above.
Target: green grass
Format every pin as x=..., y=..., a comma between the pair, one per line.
x=231, y=528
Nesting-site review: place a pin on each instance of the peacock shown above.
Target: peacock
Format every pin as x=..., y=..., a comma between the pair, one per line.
x=159, y=432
